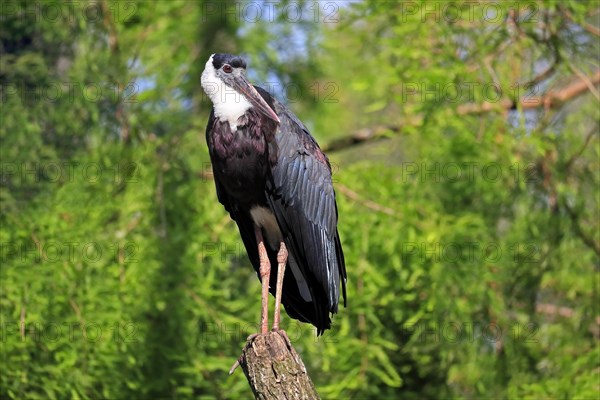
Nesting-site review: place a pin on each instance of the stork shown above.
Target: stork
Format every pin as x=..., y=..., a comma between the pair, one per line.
x=275, y=182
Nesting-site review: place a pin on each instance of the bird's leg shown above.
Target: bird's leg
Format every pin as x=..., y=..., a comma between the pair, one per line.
x=265, y=274
x=282, y=256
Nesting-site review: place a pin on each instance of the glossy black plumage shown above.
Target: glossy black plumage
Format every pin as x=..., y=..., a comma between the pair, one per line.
x=281, y=168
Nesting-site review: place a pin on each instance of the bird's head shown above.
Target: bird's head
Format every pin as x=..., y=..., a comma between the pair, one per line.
x=224, y=81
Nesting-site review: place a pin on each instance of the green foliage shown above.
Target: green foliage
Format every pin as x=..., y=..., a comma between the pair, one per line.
x=471, y=238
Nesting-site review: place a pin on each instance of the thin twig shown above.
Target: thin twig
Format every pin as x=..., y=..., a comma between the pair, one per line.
x=22, y=325
x=585, y=79
x=345, y=190
x=589, y=241
x=588, y=27
x=578, y=153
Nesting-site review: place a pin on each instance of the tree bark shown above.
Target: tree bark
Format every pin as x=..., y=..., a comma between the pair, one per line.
x=274, y=370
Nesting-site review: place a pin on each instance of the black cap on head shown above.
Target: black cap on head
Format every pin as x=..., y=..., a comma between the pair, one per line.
x=235, y=61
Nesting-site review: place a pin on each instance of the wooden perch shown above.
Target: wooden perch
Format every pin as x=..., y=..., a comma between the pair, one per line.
x=274, y=370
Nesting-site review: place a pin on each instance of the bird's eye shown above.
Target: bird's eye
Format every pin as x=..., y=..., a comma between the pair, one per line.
x=227, y=68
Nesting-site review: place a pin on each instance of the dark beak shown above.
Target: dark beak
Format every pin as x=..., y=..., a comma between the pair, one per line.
x=241, y=84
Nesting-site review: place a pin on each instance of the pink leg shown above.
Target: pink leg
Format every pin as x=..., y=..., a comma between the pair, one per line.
x=282, y=256
x=265, y=273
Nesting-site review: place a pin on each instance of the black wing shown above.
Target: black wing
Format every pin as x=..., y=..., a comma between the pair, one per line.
x=302, y=198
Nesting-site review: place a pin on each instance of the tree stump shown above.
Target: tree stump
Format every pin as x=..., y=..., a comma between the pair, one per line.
x=274, y=369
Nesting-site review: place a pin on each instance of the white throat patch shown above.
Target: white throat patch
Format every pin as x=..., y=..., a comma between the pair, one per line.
x=229, y=105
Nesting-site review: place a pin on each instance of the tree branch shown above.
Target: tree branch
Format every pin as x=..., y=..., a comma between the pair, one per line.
x=588, y=27
x=274, y=370
x=578, y=153
x=351, y=194
x=552, y=99
x=587, y=240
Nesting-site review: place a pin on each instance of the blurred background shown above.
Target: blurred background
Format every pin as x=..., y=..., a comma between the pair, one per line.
x=463, y=139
